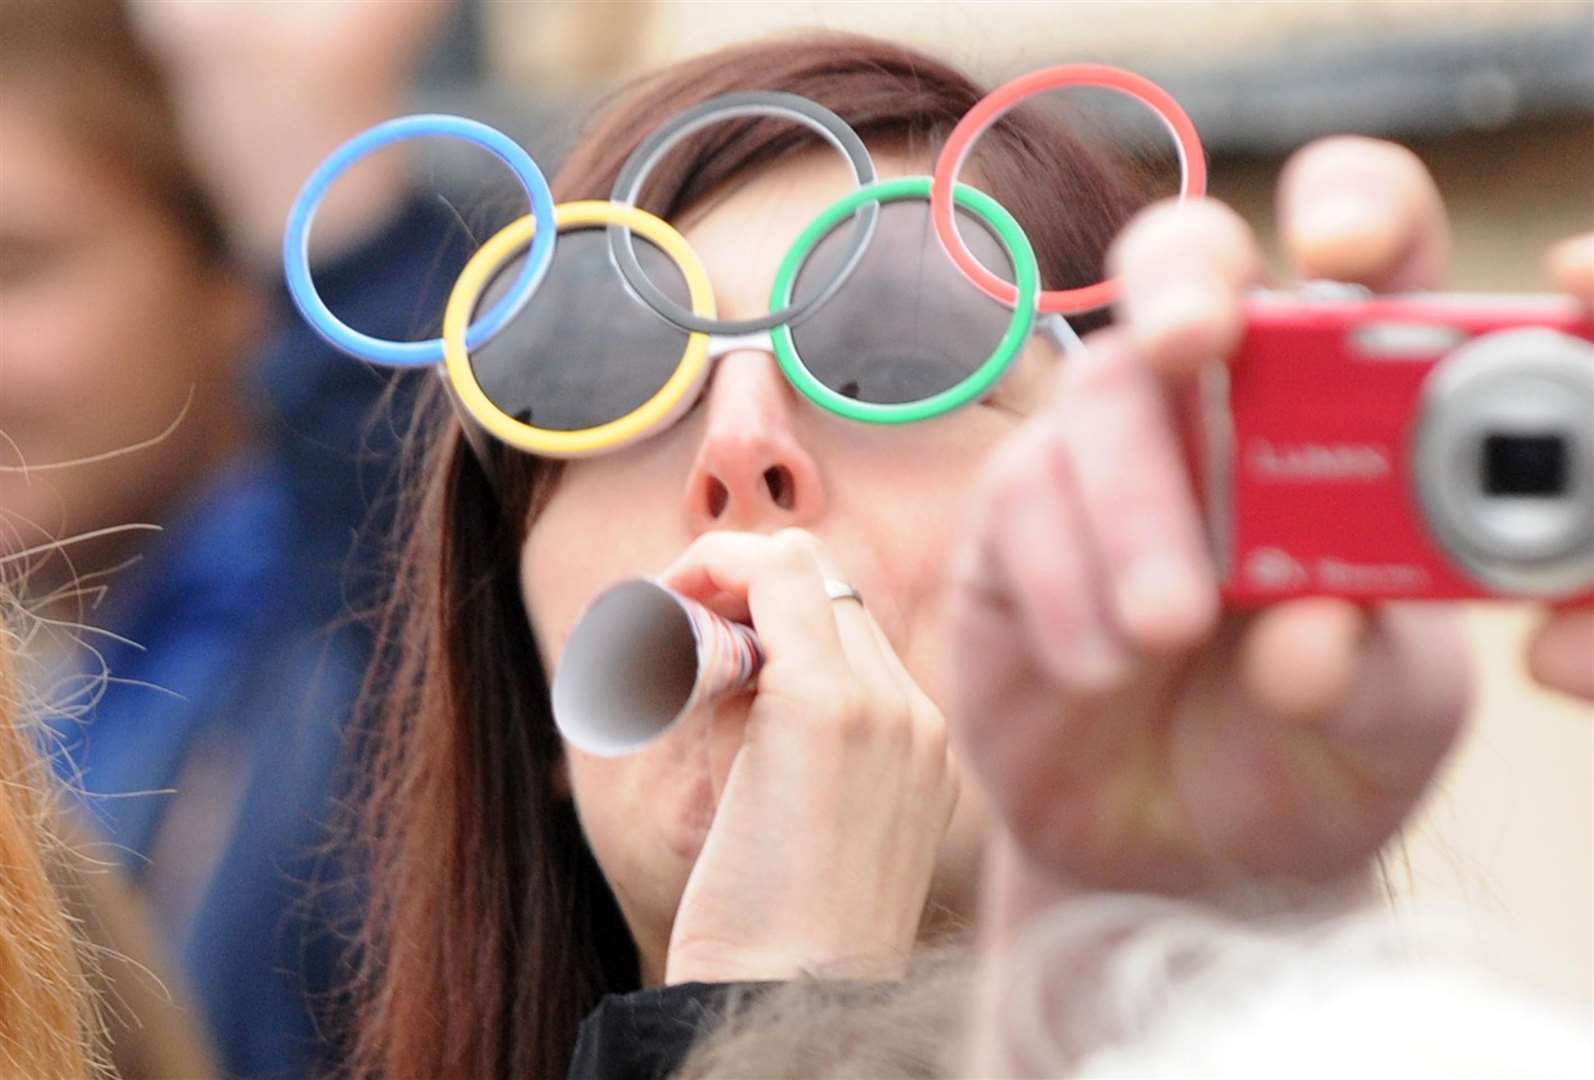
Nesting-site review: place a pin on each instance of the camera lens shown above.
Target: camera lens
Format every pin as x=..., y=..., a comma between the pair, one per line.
x=1524, y=465
x=1503, y=461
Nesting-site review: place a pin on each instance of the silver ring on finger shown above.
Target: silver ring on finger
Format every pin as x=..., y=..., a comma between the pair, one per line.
x=837, y=589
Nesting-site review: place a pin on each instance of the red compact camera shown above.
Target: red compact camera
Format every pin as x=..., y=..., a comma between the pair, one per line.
x=1422, y=447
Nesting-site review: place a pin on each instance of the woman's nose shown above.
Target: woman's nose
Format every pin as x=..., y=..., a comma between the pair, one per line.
x=751, y=470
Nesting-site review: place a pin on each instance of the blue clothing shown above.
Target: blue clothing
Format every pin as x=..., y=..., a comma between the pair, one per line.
x=245, y=617
x=174, y=675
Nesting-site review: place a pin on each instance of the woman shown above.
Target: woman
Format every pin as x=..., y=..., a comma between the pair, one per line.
x=822, y=823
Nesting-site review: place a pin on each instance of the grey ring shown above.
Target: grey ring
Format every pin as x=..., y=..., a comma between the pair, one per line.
x=837, y=589
x=628, y=187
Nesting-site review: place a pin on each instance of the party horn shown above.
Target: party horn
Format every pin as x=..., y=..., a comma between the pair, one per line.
x=641, y=657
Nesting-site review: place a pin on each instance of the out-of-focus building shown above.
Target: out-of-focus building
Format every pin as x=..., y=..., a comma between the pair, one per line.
x=1497, y=96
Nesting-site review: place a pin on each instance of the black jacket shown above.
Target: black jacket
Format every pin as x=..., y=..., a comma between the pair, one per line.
x=646, y=1034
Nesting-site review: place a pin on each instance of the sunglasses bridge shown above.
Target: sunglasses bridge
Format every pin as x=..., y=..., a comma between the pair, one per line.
x=724, y=344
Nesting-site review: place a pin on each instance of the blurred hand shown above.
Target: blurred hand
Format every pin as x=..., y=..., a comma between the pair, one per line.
x=831, y=813
x=1129, y=736
x=265, y=90
x=1561, y=654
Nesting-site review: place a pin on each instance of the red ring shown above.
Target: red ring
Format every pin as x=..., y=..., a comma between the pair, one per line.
x=1192, y=182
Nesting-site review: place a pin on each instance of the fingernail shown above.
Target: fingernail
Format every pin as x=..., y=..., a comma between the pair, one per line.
x=1162, y=312
x=1574, y=256
x=1340, y=218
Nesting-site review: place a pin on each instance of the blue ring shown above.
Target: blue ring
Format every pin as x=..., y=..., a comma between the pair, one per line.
x=296, y=241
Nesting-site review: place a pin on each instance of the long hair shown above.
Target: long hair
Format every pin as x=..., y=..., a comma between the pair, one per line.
x=491, y=931
x=49, y=1025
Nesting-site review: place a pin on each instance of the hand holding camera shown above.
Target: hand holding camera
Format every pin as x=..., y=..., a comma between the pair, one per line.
x=1131, y=735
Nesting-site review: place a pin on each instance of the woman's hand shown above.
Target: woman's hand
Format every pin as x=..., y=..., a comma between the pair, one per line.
x=840, y=789
x=1130, y=737
x=1561, y=654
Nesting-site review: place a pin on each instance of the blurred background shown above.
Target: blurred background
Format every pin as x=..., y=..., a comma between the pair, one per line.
x=1496, y=96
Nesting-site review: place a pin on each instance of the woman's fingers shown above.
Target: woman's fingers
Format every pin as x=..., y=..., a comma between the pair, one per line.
x=1406, y=704
x=1184, y=267
x=814, y=644
x=1561, y=654
x=1381, y=691
x=1133, y=486
x=1087, y=535
x=1351, y=209
x=1087, y=525
x=1362, y=210
x=1298, y=660
x=873, y=662
x=1572, y=267
x=1032, y=567
x=777, y=579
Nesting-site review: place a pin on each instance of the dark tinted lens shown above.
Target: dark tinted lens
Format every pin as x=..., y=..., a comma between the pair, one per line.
x=907, y=325
x=1524, y=465
x=585, y=351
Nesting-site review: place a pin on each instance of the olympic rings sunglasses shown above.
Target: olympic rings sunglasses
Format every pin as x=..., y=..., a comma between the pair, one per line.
x=884, y=310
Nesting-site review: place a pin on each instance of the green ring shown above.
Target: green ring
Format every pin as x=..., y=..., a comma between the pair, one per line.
x=1019, y=252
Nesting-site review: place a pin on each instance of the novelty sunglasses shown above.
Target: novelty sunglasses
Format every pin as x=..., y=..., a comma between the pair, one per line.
x=886, y=309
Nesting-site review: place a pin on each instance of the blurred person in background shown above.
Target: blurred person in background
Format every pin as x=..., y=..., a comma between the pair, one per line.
x=151, y=374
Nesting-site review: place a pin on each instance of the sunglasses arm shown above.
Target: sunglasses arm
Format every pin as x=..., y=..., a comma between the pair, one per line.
x=1057, y=330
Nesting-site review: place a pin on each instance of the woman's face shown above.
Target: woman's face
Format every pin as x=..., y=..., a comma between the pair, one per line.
x=115, y=327
x=885, y=501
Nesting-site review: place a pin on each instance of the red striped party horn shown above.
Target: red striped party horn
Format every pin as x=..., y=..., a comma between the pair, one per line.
x=641, y=657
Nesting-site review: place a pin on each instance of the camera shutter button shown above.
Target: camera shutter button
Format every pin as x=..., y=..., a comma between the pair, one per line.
x=1322, y=290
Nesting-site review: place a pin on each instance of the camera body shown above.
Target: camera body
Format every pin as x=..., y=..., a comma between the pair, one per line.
x=1434, y=447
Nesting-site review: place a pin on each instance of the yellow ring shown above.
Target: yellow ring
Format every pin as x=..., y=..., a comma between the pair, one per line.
x=642, y=420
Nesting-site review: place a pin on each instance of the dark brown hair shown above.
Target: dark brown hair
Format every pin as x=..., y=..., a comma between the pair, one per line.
x=491, y=930
x=83, y=67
